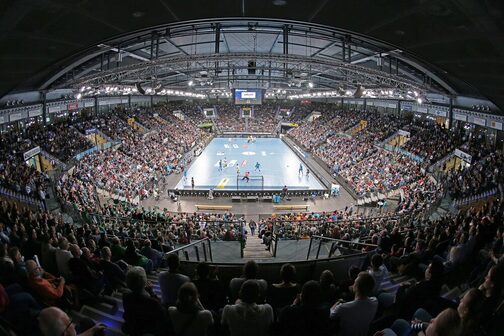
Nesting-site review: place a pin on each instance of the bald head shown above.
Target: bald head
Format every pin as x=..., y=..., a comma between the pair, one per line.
x=54, y=322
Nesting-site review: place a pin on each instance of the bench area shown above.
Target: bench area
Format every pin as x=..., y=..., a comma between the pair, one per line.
x=213, y=207
x=291, y=207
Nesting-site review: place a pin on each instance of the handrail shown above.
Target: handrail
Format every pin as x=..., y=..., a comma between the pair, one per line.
x=333, y=247
x=343, y=241
x=186, y=246
x=195, y=243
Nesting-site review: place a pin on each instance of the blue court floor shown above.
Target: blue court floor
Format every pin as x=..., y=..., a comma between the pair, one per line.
x=279, y=166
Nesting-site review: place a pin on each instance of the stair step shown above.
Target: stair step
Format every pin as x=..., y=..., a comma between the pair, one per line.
x=110, y=321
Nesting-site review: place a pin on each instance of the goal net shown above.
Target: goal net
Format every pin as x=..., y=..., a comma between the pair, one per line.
x=252, y=182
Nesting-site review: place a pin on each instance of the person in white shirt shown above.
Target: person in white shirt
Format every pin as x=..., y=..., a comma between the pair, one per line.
x=189, y=317
x=353, y=318
x=171, y=281
x=379, y=273
x=62, y=258
x=246, y=317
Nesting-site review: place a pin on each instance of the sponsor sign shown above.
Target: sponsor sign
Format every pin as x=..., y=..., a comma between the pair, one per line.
x=35, y=112
x=459, y=116
x=248, y=95
x=496, y=125
x=54, y=109
x=31, y=153
x=72, y=106
x=16, y=116
x=464, y=156
x=479, y=121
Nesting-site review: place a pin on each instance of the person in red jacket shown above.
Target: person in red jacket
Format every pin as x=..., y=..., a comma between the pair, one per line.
x=45, y=285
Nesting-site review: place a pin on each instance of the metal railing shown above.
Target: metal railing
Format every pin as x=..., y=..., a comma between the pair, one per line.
x=206, y=251
x=347, y=246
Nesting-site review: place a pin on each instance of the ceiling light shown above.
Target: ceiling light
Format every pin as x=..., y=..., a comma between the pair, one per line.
x=190, y=83
x=310, y=85
x=419, y=100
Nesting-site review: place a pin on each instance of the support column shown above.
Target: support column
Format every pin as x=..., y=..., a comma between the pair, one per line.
x=96, y=106
x=44, y=107
x=450, y=114
x=285, y=46
x=217, y=45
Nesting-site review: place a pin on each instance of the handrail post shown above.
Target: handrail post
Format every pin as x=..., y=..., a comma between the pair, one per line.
x=331, y=251
x=210, y=250
x=309, y=249
x=204, y=251
x=318, y=249
x=196, y=249
x=242, y=239
x=276, y=245
x=186, y=254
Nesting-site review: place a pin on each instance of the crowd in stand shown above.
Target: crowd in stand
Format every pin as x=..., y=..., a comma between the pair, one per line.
x=381, y=172
x=49, y=268
x=263, y=118
x=60, y=140
x=15, y=174
x=484, y=175
x=134, y=169
x=431, y=141
x=84, y=264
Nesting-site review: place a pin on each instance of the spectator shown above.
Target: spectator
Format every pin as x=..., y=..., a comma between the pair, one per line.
x=211, y=292
x=247, y=317
x=284, y=293
x=308, y=315
x=170, y=281
x=410, y=297
x=114, y=275
x=143, y=313
x=250, y=271
x=328, y=288
x=45, y=286
x=189, y=317
x=353, y=318
x=152, y=254
x=53, y=321
x=379, y=273
x=62, y=257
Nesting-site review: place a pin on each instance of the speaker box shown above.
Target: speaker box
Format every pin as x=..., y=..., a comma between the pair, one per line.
x=251, y=67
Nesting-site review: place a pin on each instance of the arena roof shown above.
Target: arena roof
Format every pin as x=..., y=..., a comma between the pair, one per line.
x=458, y=44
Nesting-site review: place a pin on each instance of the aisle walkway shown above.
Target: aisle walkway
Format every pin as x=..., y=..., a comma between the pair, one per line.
x=254, y=249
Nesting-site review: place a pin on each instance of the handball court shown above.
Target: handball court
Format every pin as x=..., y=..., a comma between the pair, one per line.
x=224, y=158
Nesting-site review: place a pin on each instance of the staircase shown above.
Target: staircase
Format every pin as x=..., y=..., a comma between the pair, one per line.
x=111, y=311
x=254, y=249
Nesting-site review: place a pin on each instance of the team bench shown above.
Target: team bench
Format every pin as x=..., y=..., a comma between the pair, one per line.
x=291, y=207
x=213, y=207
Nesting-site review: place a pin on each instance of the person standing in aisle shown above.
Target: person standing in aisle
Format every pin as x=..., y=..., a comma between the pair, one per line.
x=252, y=226
x=192, y=183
